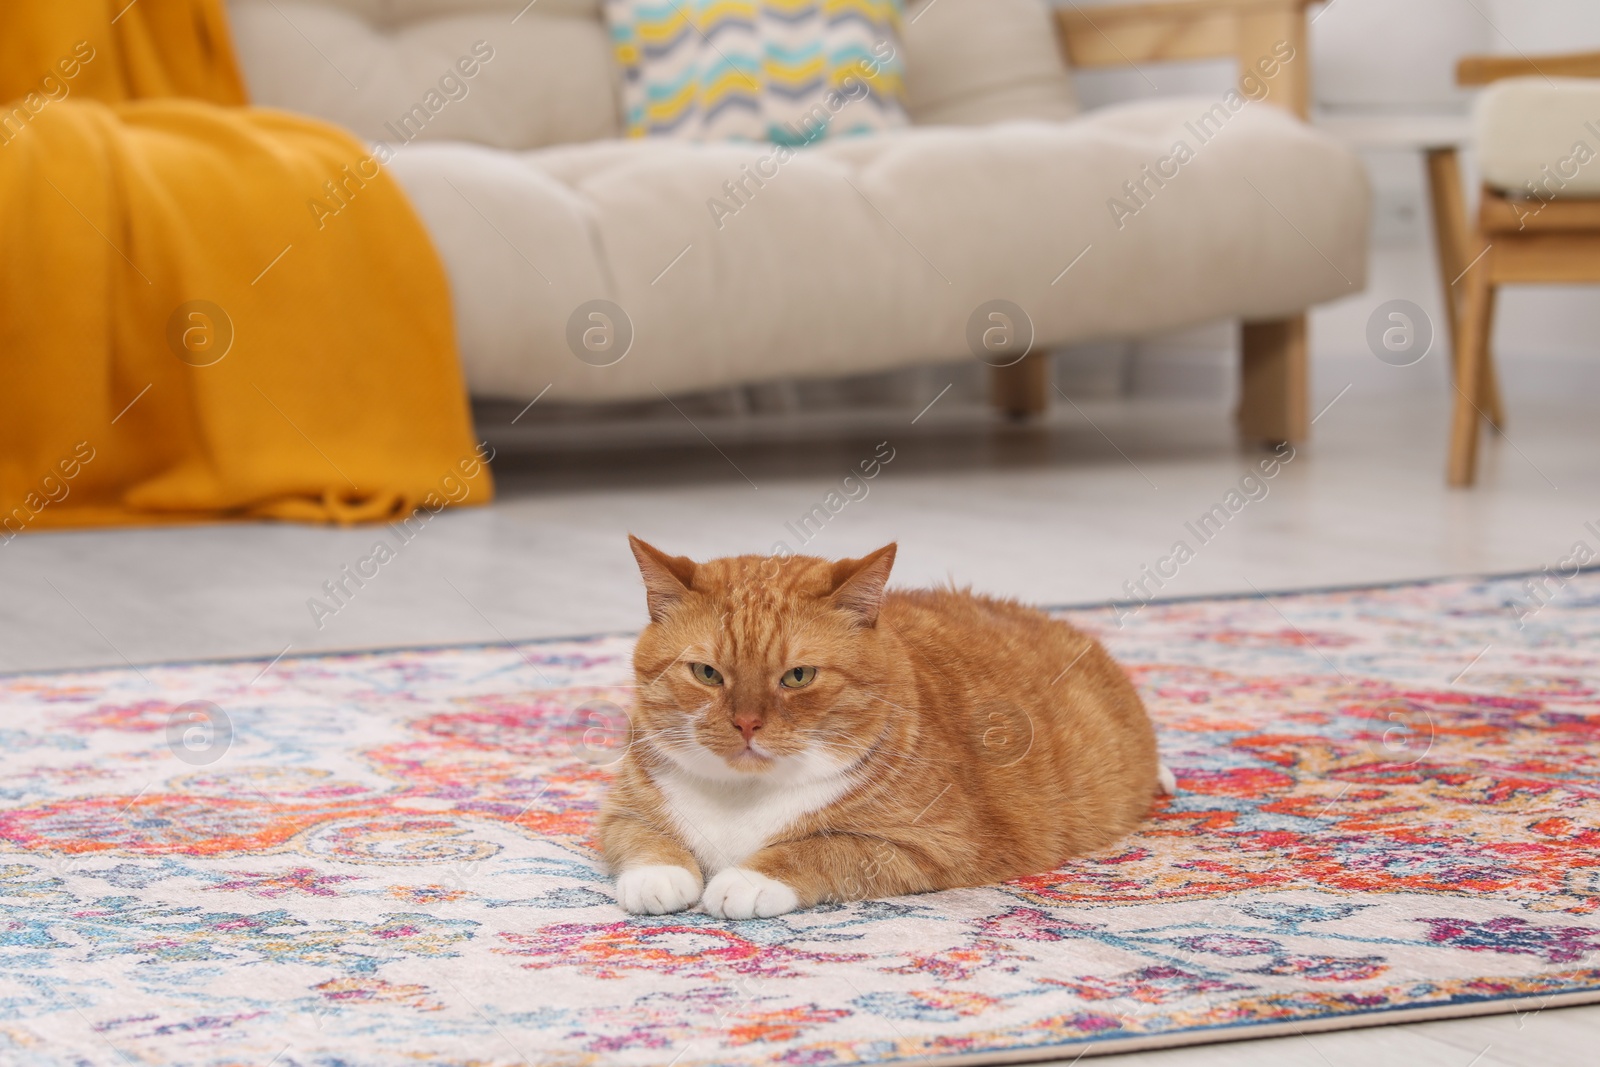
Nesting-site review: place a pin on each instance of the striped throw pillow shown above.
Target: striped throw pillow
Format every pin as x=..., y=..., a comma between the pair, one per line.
x=786, y=71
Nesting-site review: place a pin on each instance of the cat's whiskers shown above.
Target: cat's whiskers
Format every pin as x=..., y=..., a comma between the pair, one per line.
x=669, y=735
x=887, y=701
x=875, y=749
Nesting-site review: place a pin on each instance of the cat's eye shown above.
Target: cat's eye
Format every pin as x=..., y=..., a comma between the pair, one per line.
x=798, y=677
x=705, y=673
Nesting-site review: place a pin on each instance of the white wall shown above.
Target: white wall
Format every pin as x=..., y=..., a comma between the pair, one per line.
x=1534, y=26
x=1402, y=53
x=1388, y=53
x=1409, y=45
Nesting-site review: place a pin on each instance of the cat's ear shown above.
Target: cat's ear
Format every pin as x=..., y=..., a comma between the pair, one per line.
x=666, y=578
x=858, y=584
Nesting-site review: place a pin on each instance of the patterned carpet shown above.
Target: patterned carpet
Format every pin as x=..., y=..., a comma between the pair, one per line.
x=1389, y=803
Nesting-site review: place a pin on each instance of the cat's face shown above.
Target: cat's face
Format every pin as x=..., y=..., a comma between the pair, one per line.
x=760, y=666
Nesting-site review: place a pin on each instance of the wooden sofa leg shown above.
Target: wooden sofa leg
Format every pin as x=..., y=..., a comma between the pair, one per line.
x=1022, y=389
x=1472, y=372
x=1274, y=381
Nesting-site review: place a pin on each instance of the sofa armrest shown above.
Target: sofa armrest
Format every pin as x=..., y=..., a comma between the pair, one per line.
x=1252, y=32
x=1481, y=70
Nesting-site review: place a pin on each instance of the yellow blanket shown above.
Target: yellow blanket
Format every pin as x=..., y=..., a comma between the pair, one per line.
x=206, y=311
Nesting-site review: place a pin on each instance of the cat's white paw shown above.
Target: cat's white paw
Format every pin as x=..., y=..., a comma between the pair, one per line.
x=657, y=889
x=738, y=893
x=1167, y=780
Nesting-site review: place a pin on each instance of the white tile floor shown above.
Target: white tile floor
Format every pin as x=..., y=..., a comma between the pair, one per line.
x=1062, y=512
x=1056, y=513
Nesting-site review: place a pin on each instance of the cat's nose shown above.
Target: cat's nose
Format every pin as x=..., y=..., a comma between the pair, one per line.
x=747, y=724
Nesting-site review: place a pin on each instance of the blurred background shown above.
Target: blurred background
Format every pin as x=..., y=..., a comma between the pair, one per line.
x=1370, y=59
x=1060, y=508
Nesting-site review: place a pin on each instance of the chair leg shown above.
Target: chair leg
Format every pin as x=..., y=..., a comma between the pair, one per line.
x=1022, y=390
x=1452, y=236
x=1472, y=371
x=1492, y=408
x=1274, y=381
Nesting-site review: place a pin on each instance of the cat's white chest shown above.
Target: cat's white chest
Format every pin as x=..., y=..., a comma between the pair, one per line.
x=724, y=823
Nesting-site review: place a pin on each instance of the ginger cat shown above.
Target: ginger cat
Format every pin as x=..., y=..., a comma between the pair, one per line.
x=800, y=736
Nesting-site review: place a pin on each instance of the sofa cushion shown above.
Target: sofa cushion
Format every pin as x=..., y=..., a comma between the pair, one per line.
x=788, y=71
x=739, y=262
x=389, y=69
x=973, y=62
x=1540, y=136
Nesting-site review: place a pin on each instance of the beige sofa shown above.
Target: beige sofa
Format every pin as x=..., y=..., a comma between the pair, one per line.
x=857, y=254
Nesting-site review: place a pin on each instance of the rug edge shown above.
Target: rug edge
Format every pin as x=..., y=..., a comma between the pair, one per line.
x=514, y=643
x=1220, y=1035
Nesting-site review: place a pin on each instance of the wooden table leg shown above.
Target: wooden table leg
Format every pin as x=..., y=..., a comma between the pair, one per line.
x=1452, y=237
x=1472, y=366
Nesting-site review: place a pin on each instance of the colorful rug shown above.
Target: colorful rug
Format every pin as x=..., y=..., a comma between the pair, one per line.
x=1389, y=809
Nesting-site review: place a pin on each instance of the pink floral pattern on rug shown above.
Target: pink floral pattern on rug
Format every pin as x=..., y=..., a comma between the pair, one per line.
x=1389, y=798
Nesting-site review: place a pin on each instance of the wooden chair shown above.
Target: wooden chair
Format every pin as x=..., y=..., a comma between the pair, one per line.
x=1559, y=243
x=1274, y=389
